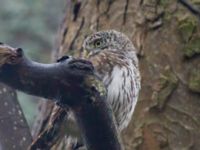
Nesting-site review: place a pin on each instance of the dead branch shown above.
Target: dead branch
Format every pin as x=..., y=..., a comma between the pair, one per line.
x=193, y=9
x=69, y=82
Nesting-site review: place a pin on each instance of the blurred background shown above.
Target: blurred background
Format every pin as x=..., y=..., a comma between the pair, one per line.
x=31, y=25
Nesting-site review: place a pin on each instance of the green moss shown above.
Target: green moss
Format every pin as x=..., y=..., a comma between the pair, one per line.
x=194, y=81
x=196, y=2
x=164, y=5
x=192, y=47
x=186, y=28
x=92, y=82
x=167, y=83
x=164, y=2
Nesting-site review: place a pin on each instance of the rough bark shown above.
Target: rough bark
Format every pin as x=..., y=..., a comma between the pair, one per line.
x=166, y=34
x=13, y=123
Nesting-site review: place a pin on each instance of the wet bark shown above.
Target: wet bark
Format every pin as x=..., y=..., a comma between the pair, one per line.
x=166, y=34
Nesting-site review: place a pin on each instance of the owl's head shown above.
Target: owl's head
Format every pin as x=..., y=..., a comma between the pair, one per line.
x=109, y=40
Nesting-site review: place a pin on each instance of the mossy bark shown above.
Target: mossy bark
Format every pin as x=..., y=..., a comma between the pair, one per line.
x=166, y=34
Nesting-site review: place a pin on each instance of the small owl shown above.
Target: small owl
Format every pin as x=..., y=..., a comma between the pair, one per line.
x=114, y=58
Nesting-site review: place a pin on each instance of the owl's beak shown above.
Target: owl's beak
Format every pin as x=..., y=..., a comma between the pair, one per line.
x=86, y=54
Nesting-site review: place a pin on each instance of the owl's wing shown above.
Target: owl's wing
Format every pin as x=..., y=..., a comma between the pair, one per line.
x=106, y=60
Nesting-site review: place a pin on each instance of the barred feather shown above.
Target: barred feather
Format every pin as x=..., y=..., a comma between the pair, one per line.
x=122, y=79
x=117, y=65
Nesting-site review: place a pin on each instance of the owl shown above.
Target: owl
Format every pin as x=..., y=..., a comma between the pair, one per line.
x=115, y=61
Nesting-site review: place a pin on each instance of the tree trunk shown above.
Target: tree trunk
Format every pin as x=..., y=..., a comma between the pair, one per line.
x=167, y=36
x=14, y=130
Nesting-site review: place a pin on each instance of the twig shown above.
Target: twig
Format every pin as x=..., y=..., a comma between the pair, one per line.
x=49, y=136
x=193, y=9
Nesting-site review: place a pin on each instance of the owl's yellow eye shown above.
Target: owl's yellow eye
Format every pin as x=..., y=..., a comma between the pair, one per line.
x=97, y=43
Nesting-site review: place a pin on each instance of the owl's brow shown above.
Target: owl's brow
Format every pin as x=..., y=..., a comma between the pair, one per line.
x=93, y=37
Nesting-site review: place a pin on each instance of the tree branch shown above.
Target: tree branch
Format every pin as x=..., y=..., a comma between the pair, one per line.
x=194, y=10
x=70, y=82
x=49, y=136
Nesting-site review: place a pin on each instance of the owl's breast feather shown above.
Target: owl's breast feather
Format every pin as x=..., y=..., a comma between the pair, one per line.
x=122, y=80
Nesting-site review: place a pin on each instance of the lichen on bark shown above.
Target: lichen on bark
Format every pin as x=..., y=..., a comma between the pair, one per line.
x=194, y=81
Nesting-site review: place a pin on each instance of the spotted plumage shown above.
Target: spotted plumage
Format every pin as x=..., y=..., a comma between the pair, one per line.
x=114, y=58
